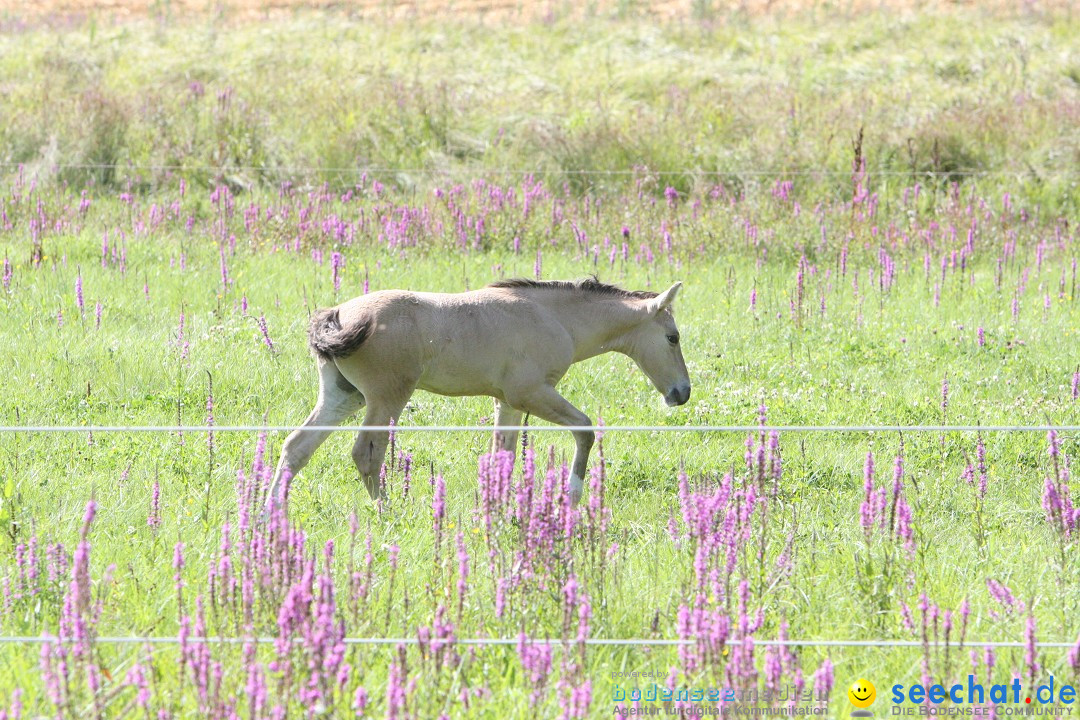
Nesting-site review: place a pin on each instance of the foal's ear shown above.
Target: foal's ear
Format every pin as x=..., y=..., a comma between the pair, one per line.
x=664, y=299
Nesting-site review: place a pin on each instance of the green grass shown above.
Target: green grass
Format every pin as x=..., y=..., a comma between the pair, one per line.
x=871, y=358
x=311, y=92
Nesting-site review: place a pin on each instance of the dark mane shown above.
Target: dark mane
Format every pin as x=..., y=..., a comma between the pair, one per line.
x=588, y=285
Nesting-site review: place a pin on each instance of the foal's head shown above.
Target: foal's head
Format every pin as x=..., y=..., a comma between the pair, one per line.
x=654, y=345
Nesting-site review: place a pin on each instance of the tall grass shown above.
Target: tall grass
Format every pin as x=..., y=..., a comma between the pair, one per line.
x=321, y=98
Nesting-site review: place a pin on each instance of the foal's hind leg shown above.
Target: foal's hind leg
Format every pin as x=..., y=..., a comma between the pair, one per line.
x=338, y=400
x=546, y=402
x=369, y=450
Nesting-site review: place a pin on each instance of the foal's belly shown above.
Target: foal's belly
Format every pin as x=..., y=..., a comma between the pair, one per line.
x=455, y=385
x=449, y=371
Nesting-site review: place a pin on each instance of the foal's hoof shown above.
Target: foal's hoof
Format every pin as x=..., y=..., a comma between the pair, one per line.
x=375, y=491
x=267, y=511
x=576, y=486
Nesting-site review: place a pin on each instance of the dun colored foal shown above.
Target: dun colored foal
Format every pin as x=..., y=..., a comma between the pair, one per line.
x=512, y=340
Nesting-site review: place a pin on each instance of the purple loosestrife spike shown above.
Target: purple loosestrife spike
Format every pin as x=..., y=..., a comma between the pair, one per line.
x=537, y=267
x=406, y=470
x=360, y=701
x=500, y=597
x=1003, y=595
x=905, y=614
x=438, y=501
x=210, y=421
x=866, y=509
x=1051, y=502
x=5, y=278
x=79, y=301
x=20, y=565
x=823, y=681
x=154, y=519
x=584, y=615
x=397, y=687
x=265, y=332
x=16, y=708
x=903, y=522
x=32, y=566
x=1030, y=652
x=980, y=458
x=982, y=337
x=224, y=269
x=463, y=574
x=97, y=314
x=178, y=566
x=671, y=195
x=968, y=475
x=337, y=263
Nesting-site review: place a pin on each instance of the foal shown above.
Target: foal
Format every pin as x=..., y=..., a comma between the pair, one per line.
x=512, y=340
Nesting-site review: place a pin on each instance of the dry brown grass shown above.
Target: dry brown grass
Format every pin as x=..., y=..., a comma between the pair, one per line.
x=497, y=10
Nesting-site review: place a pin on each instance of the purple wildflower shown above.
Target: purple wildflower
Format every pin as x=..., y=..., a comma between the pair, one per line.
x=154, y=518
x=265, y=332
x=80, y=302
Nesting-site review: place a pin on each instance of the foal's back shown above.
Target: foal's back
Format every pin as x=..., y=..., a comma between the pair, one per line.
x=469, y=343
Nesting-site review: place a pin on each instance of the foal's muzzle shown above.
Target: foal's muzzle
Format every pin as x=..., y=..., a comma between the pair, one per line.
x=677, y=395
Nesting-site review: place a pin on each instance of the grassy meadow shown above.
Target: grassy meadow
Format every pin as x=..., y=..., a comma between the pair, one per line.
x=875, y=222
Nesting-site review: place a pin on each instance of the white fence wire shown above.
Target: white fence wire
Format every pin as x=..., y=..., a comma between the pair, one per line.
x=535, y=428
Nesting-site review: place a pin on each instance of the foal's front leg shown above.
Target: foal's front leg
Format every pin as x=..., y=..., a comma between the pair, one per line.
x=505, y=439
x=546, y=402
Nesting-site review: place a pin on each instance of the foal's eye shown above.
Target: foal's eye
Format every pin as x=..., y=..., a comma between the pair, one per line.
x=673, y=339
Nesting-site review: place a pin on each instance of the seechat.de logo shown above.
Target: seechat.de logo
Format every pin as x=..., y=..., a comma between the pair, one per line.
x=975, y=694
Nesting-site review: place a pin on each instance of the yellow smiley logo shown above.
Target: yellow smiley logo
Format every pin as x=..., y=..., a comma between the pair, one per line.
x=862, y=693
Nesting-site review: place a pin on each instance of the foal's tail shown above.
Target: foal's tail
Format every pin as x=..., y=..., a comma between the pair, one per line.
x=330, y=340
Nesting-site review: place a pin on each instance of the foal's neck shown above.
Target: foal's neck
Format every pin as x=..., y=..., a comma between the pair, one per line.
x=599, y=325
